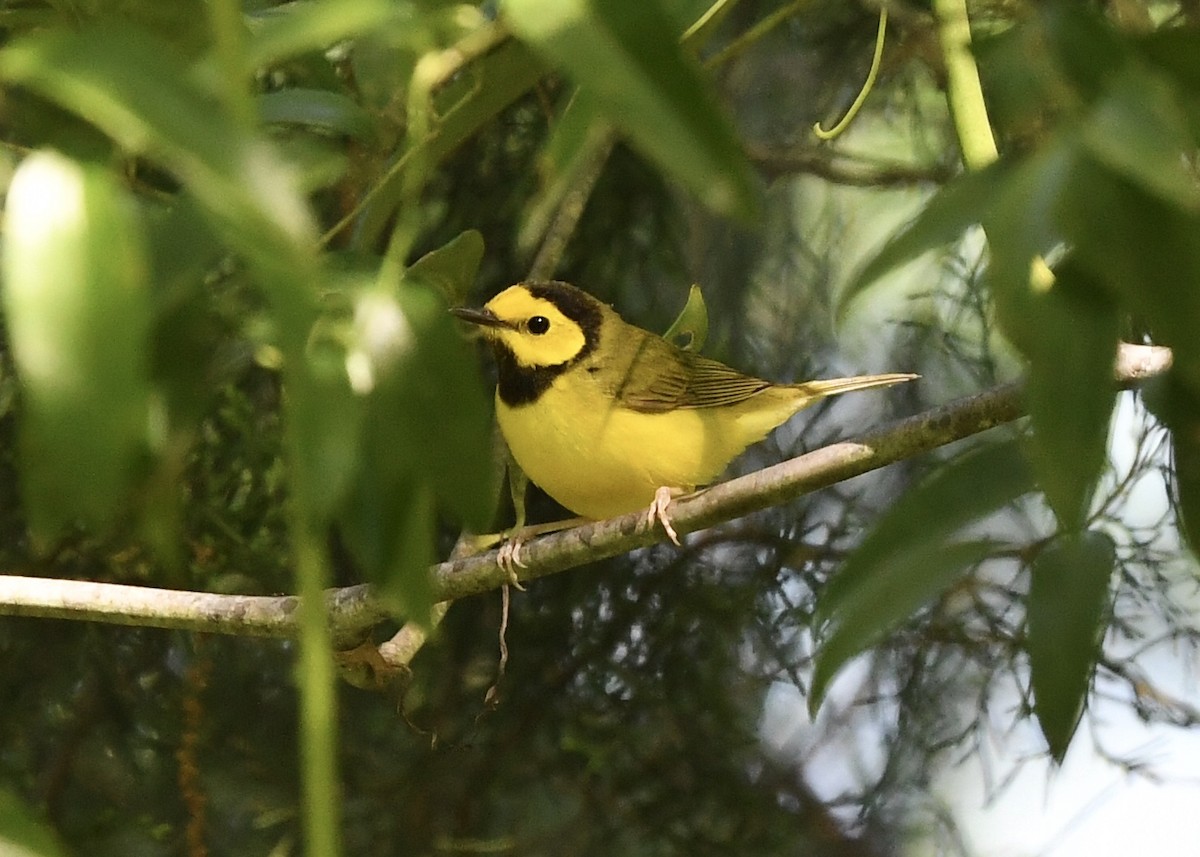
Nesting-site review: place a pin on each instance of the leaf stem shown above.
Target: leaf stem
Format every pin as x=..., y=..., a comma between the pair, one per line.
x=230, y=47
x=963, y=89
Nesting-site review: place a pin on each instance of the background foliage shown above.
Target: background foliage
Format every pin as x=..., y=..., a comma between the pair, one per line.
x=231, y=232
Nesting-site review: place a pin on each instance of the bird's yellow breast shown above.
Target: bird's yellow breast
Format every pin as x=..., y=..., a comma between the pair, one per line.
x=599, y=459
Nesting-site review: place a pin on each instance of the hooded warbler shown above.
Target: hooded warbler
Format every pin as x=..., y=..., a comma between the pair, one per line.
x=609, y=418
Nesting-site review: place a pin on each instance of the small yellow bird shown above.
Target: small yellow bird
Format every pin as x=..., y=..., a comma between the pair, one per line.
x=608, y=418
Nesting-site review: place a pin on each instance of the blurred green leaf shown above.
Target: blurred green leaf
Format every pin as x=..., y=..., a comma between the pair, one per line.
x=451, y=268
x=1174, y=51
x=702, y=29
x=948, y=214
x=964, y=489
x=1070, y=392
x=133, y=88
x=626, y=54
x=912, y=554
x=300, y=26
x=579, y=138
x=690, y=329
x=1145, y=251
x=388, y=526
x=22, y=832
x=426, y=434
x=1068, y=609
x=910, y=577
x=77, y=307
x=319, y=109
x=441, y=414
x=1138, y=130
x=1085, y=47
x=426, y=404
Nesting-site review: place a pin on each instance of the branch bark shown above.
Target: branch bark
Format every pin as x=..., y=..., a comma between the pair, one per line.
x=352, y=610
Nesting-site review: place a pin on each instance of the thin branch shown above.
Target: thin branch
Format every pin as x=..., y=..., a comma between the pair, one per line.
x=352, y=610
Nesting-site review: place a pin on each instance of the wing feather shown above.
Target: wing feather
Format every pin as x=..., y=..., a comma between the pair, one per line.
x=661, y=378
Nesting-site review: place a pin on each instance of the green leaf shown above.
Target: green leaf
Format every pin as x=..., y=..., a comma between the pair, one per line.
x=1174, y=52
x=388, y=527
x=426, y=404
x=1070, y=337
x=702, y=29
x=319, y=109
x=1083, y=44
x=1138, y=130
x=578, y=143
x=690, y=329
x=23, y=833
x=298, y=27
x=451, y=268
x=492, y=82
x=626, y=54
x=129, y=84
x=1066, y=326
x=77, y=307
x=1069, y=600
x=443, y=418
x=1178, y=408
x=911, y=555
x=1145, y=251
x=912, y=576
x=975, y=484
x=958, y=206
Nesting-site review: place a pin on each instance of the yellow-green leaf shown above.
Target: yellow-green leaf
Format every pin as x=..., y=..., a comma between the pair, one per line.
x=77, y=308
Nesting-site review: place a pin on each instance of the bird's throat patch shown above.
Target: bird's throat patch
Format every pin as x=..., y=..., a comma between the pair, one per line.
x=523, y=385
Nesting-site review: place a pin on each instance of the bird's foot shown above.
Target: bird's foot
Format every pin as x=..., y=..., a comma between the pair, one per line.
x=658, y=512
x=508, y=557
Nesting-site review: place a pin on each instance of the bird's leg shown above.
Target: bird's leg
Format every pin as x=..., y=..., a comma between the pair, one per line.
x=658, y=512
x=508, y=557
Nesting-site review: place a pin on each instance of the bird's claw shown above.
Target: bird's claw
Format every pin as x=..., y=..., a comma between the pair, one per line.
x=658, y=512
x=508, y=557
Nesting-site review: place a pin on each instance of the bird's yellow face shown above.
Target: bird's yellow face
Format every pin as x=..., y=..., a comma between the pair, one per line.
x=533, y=329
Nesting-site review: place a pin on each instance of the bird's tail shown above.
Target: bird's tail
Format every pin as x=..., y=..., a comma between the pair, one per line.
x=834, y=386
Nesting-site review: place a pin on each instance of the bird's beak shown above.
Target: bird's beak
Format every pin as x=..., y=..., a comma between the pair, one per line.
x=480, y=317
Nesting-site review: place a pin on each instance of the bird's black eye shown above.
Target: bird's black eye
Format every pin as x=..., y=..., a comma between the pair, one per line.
x=538, y=325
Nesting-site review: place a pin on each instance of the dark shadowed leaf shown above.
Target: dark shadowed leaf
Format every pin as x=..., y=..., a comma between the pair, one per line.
x=388, y=526
x=1169, y=399
x=1068, y=609
x=1070, y=392
x=1145, y=251
x=442, y=416
x=77, y=306
x=627, y=55
x=1137, y=129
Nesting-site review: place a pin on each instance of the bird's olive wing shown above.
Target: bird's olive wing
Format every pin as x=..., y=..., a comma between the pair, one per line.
x=662, y=378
